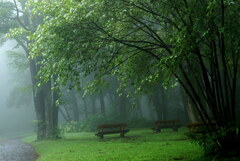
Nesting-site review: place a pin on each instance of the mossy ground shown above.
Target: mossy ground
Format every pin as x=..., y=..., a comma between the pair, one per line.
x=138, y=145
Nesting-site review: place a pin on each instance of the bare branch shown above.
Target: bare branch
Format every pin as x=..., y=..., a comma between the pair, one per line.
x=17, y=17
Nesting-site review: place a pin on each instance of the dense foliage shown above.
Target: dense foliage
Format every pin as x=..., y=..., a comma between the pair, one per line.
x=90, y=124
x=192, y=42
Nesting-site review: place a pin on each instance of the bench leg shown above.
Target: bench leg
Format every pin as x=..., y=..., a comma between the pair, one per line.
x=175, y=129
x=121, y=135
x=158, y=130
x=100, y=136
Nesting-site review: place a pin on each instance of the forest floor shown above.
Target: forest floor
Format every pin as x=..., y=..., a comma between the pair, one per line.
x=138, y=145
x=16, y=150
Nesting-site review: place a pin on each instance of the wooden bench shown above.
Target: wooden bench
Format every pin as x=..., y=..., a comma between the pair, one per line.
x=111, y=129
x=196, y=127
x=199, y=127
x=161, y=124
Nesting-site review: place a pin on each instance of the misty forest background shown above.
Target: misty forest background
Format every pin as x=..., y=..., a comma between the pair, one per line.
x=69, y=65
x=18, y=115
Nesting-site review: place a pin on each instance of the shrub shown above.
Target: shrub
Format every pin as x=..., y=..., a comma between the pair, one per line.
x=90, y=124
x=213, y=143
x=72, y=126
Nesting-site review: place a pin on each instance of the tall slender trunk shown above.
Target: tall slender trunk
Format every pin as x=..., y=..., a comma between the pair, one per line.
x=151, y=108
x=48, y=110
x=75, y=106
x=158, y=100
x=138, y=108
x=123, y=107
x=94, y=110
x=102, y=104
x=163, y=102
x=238, y=103
x=192, y=115
x=55, y=107
x=85, y=108
x=113, y=98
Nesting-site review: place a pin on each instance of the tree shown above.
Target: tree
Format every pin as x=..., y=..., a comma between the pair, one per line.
x=159, y=102
x=16, y=24
x=192, y=42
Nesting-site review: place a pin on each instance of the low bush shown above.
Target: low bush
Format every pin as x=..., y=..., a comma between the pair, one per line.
x=217, y=144
x=90, y=124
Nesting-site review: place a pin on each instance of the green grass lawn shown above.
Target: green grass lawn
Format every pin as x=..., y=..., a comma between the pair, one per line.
x=138, y=145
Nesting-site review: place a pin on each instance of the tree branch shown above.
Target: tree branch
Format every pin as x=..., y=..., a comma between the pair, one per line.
x=17, y=17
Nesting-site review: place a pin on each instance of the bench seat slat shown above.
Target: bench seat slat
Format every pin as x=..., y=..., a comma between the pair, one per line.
x=111, y=129
x=175, y=126
x=199, y=127
x=112, y=132
x=160, y=124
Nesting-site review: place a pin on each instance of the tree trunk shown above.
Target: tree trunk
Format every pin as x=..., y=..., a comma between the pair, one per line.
x=38, y=99
x=158, y=100
x=75, y=106
x=94, y=110
x=51, y=111
x=192, y=114
x=163, y=102
x=123, y=106
x=85, y=108
x=55, y=106
x=48, y=110
x=138, y=109
x=46, y=114
x=102, y=104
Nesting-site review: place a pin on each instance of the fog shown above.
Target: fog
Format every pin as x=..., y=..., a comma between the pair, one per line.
x=15, y=117
x=17, y=112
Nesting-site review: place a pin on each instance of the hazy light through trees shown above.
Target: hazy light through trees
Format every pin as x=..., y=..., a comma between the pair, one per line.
x=13, y=120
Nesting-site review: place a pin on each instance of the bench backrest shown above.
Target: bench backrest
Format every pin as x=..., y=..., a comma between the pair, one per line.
x=168, y=122
x=199, y=126
x=104, y=126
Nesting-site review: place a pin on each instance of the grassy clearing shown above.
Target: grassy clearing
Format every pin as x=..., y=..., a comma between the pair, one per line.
x=138, y=145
